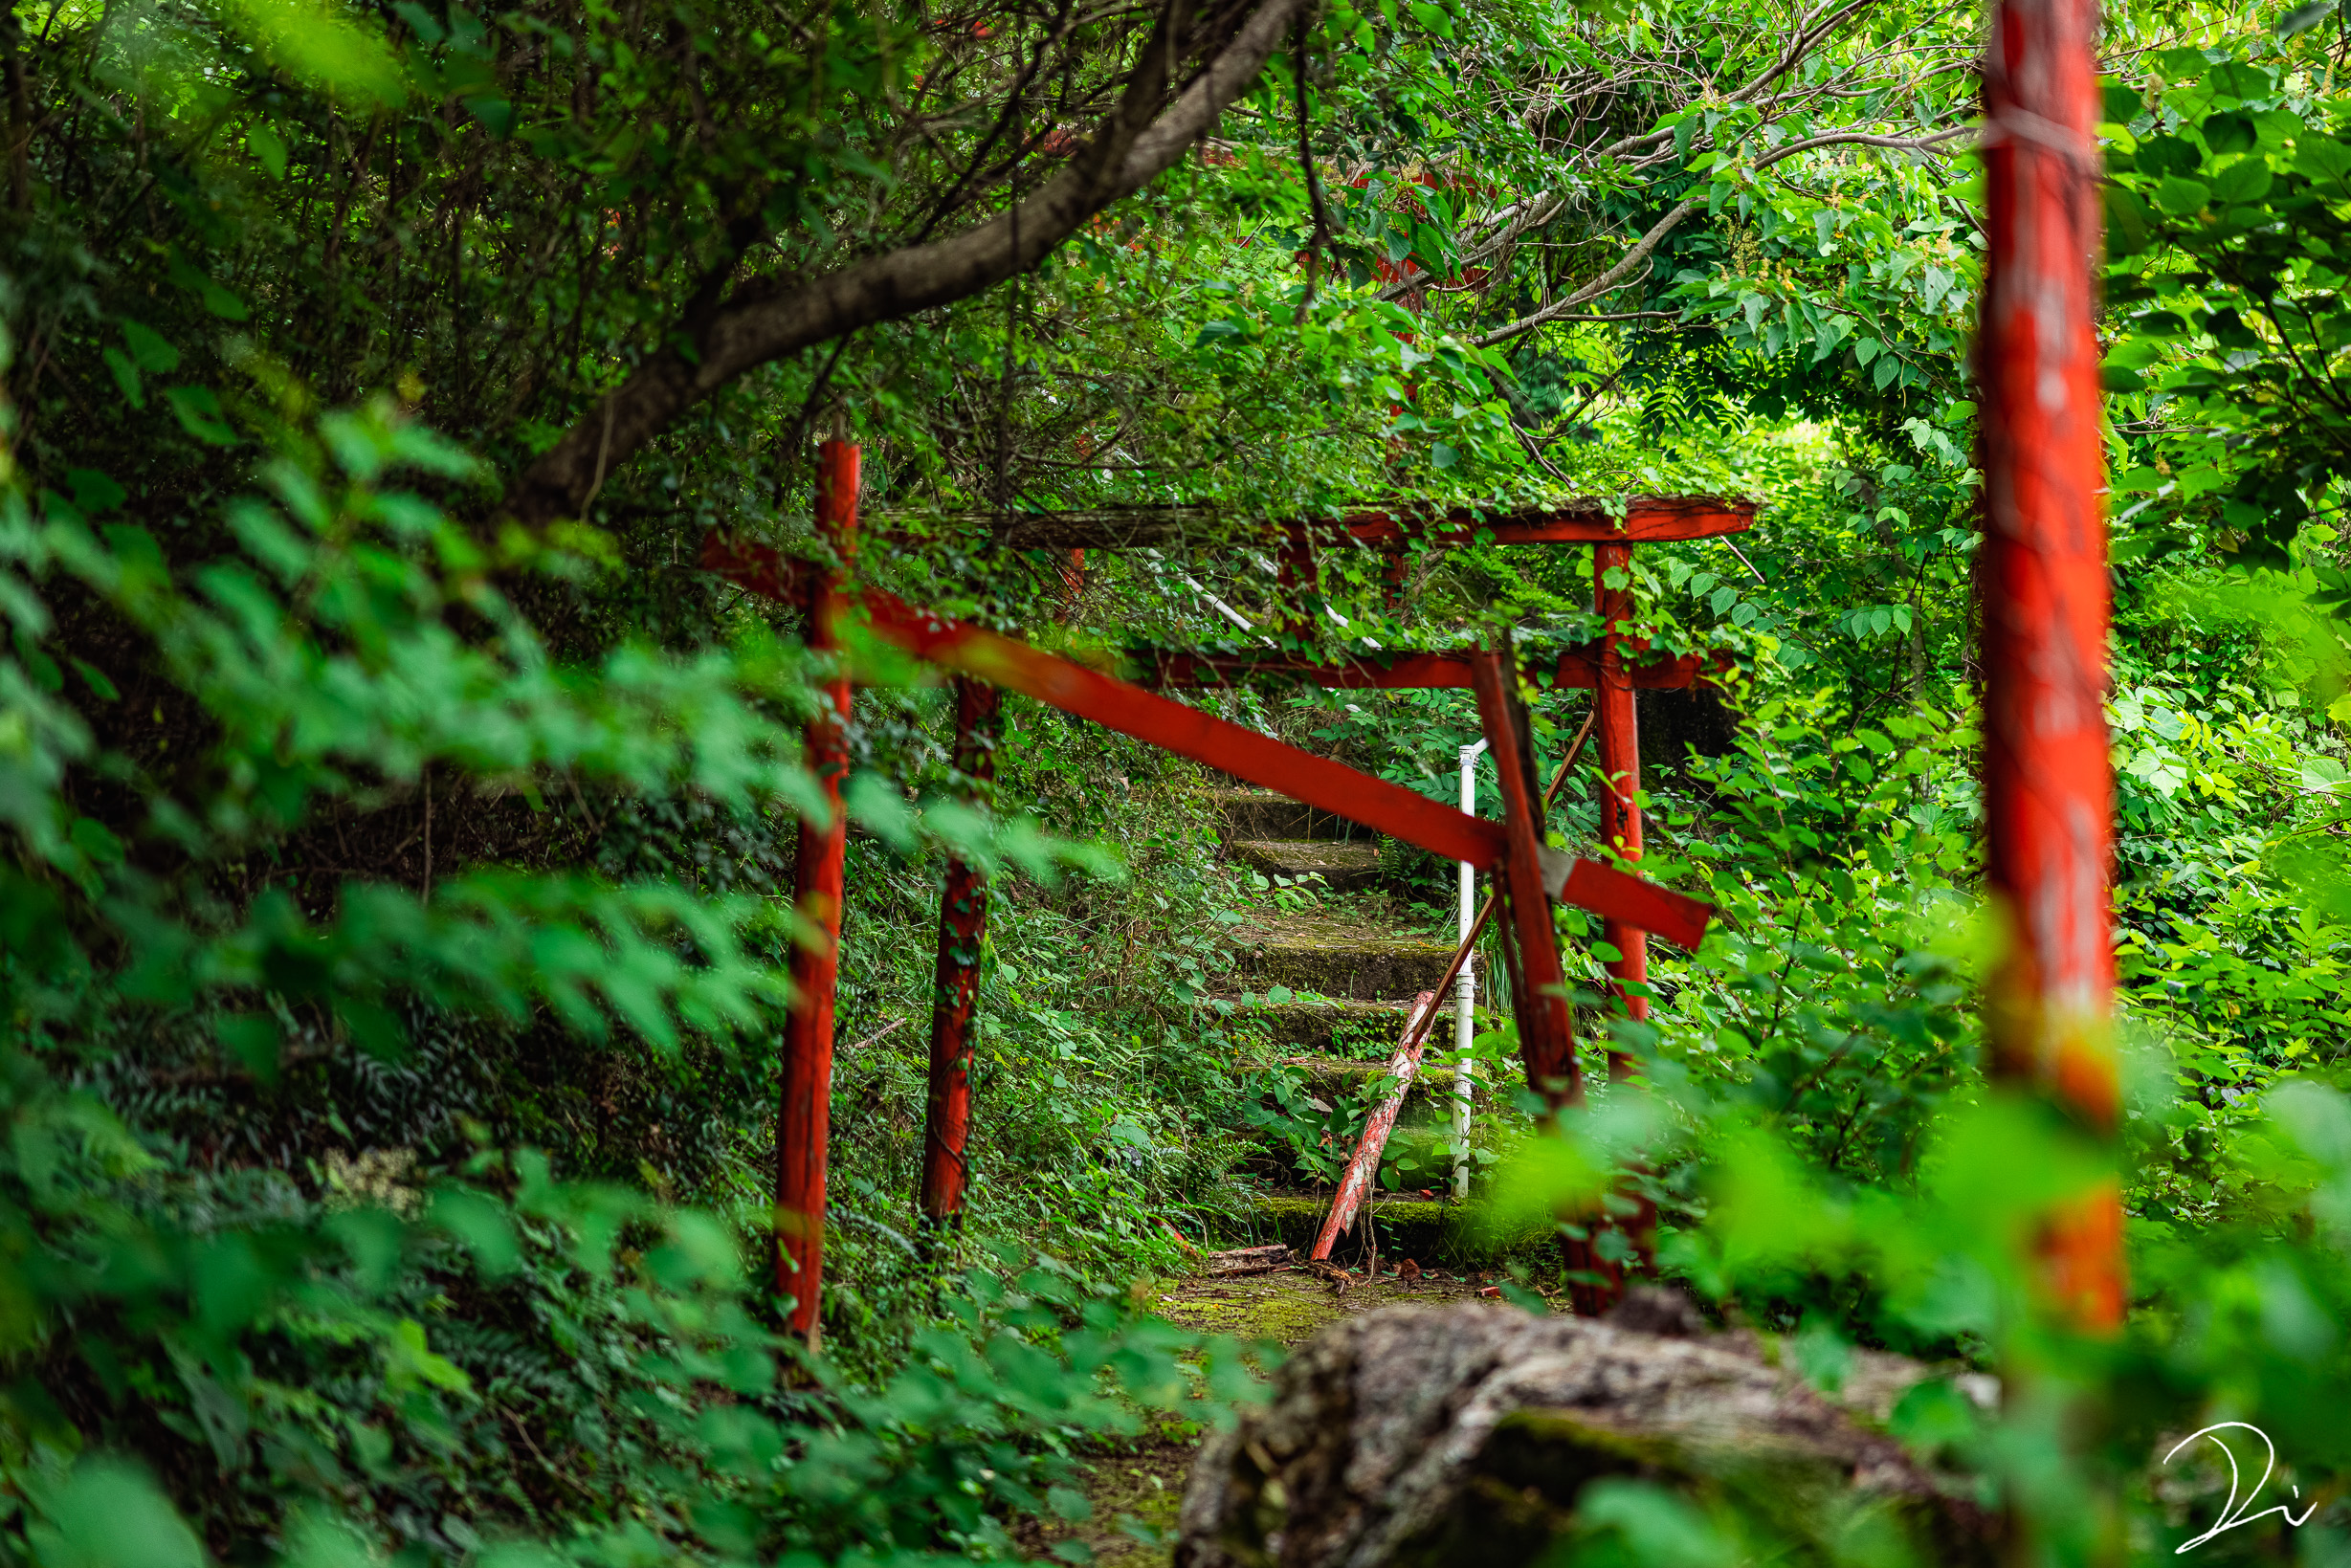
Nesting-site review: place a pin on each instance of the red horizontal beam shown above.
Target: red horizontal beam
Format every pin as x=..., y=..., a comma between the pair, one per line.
x=1187, y=732
x=1648, y=519
x=1578, y=668
x=1637, y=901
x=1245, y=754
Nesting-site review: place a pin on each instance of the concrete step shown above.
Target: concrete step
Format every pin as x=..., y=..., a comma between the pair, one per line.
x=1432, y=1231
x=1344, y=865
x=1327, y=1024
x=1332, y=1026
x=1338, y=957
x=1331, y=1075
x=1261, y=813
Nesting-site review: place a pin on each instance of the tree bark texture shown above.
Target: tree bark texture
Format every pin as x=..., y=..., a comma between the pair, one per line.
x=1466, y=1435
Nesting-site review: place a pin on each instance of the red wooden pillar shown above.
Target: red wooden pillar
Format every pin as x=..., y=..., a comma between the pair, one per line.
x=1294, y=585
x=963, y=929
x=1530, y=950
x=2048, y=791
x=804, y=1111
x=1538, y=983
x=1620, y=758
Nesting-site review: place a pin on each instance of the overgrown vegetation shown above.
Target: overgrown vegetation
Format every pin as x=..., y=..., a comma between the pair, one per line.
x=400, y=824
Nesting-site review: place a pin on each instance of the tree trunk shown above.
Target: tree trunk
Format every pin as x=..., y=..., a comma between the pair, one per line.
x=1470, y=1434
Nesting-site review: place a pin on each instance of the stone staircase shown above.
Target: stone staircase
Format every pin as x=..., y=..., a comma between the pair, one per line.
x=1351, y=971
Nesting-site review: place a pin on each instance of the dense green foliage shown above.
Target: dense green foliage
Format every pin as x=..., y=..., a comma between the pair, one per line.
x=394, y=904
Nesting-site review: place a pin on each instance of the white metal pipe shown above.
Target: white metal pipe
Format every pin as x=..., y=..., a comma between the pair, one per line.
x=1465, y=990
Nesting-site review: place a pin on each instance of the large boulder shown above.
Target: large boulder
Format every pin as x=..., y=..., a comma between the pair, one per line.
x=1466, y=1435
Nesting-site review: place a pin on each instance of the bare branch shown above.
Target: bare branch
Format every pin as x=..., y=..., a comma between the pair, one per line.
x=1612, y=278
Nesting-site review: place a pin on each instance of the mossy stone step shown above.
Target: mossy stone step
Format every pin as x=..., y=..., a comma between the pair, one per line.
x=1431, y=1231
x=1261, y=813
x=1339, y=958
x=1328, y=1024
x=1342, y=865
x=1430, y=1088
x=1341, y=1027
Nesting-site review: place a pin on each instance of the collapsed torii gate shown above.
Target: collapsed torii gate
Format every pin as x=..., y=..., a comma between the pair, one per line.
x=1530, y=875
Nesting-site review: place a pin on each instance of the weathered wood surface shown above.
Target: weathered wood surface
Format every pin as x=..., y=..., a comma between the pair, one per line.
x=1647, y=518
x=1248, y=1260
x=1465, y=1435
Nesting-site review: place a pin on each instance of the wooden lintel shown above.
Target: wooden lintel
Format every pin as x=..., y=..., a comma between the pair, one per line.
x=1647, y=519
x=1577, y=667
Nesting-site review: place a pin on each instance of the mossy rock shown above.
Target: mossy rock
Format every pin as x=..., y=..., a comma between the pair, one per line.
x=1434, y=1232
x=1419, y=1437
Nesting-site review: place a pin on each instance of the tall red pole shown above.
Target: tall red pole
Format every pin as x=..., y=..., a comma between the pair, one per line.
x=2048, y=791
x=804, y=1111
x=963, y=930
x=1620, y=759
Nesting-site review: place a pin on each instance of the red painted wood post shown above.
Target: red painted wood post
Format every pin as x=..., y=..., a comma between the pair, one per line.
x=2047, y=788
x=1538, y=983
x=804, y=1111
x=1364, y=1165
x=1620, y=759
x=963, y=929
x=1294, y=585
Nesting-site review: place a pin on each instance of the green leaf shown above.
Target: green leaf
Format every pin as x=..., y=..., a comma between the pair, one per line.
x=2322, y=157
x=2228, y=132
x=149, y=349
x=254, y=1040
x=199, y=415
x=2179, y=197
x=325, y=47
x=94, y=839
x=268, y=149
x=482, y=1225
x=126, y=377
x=95, y=679
x=408, y=1363
x=2303, y=17
x=111, y=1514
x=2247, y=180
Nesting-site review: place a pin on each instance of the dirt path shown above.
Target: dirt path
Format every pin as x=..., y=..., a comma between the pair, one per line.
x=1137, y=1490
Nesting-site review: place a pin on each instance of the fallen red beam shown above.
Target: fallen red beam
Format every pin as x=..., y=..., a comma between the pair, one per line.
x=1365, y=1163
x=1187, y=732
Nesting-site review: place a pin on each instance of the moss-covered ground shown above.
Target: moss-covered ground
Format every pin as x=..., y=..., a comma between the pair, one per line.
x=1137, y=1490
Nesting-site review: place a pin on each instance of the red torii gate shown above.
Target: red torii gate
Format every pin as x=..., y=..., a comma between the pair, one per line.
x=1531, y=874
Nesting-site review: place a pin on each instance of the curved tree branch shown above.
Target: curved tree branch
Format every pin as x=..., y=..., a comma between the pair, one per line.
x=768, y=317
x=1598, y=286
